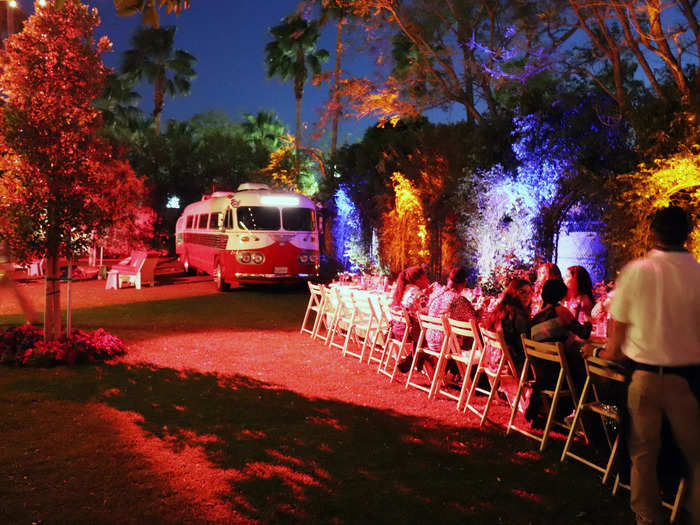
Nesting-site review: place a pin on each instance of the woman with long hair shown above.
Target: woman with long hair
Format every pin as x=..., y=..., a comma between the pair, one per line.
x=579, y=297
x=545, y=272
x=512, y=316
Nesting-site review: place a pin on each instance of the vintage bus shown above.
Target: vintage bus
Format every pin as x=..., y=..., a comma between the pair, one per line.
x=252, y=235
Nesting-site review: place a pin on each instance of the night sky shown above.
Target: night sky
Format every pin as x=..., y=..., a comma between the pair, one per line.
x=228, y=38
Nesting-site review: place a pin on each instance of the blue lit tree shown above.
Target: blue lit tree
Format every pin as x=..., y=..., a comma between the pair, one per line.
x=347, y=231
x=560, y=158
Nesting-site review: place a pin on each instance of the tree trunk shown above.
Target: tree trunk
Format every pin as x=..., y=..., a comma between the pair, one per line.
x=336, y=82
x=158, y=99
x=52, y=301
x=297, y=141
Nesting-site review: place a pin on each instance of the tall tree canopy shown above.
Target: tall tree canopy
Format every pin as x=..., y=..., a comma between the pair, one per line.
x=463, y=51
x=153, y=58
x=60, y=182
x=290, y=56
x=149, y=9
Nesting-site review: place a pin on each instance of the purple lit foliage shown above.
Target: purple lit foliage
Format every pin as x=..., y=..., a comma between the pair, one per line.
x=347, y=231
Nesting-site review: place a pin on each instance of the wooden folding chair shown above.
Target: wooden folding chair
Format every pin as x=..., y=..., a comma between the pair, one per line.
x=426, y=323
x=551, y=353
x=458, y=335
x=674, y=506
x=382, y=330
x=396, y=346
x=597, y=369
x=314, y=306
x=341, y=330
x=361, y=330
x=494, y=345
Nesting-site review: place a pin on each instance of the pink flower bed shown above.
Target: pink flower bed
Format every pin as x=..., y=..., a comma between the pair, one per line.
x=25, y=346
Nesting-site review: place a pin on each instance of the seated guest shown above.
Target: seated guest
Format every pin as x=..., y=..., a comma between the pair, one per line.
x=447, y=300
x=545, y=272
x=579, y=296
x=512, y=316
x=553, y=324
x=411, y=293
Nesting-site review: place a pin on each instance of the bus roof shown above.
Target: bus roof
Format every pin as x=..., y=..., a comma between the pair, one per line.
x=221, y=200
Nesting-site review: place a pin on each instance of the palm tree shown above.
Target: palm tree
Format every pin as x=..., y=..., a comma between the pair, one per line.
x=119, y=105
x=149, y=12
x=339, y=12
x=288, y=56
x=152, y=58
x=263, y=130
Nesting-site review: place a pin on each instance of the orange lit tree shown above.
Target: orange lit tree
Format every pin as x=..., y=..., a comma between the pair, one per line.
x=672, y=180
x=403, y=234
x=60, y=181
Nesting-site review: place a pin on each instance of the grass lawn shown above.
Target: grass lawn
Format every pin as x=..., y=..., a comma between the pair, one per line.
x=222, y=413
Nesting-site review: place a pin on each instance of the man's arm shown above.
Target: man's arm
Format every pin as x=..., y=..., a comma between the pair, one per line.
x=613, y=347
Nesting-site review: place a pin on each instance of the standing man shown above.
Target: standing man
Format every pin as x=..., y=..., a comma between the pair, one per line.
x=656, y=313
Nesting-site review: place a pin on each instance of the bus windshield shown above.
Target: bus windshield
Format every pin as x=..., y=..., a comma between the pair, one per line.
x=258, y=218
x=298, y=219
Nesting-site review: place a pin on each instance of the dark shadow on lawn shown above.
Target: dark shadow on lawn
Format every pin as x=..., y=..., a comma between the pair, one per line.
x=322, y=461
x=236, y=311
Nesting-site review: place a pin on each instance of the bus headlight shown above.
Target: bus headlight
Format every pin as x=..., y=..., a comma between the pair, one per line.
x=307, y=258
x=250, y=258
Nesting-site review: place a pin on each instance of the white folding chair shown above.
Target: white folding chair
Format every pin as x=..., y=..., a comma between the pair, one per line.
x=341, y=330
x=396, y=346
x=329, y=307
x=597, y=369
x=314, y=306
x=459, y=333
x=426, y=323
x=550, y=353
x=361, y=331
x=380, y=338
x=494, y=346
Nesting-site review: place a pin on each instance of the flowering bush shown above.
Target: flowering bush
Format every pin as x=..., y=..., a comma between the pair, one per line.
x=24, y=346
x=501, y=274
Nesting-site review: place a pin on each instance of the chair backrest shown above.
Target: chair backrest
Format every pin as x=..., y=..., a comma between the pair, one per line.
x=553, y=352
x=314, y=289
x=428, y=322
x=466, y=329
x=399, y=315
x=345, y=300
x=137, y=259
x=495, y=341
x=330, y=301
x=376, y=308
x=363, y=308
x=604, y=368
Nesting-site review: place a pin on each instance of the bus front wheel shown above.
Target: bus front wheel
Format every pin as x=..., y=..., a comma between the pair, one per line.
x=221, y=285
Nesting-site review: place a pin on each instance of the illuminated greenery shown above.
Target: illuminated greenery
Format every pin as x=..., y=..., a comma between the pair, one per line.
x=672, y=180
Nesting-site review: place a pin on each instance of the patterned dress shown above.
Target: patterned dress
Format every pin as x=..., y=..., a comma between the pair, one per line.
x=445, y=301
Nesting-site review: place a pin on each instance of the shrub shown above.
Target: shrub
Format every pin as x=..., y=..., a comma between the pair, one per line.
x=24, y=346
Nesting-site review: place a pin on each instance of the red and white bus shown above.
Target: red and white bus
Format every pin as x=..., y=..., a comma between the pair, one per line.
x=252, y=235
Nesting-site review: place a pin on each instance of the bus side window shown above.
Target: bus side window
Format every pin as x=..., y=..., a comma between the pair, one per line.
x=190, y=219
x=214, y=221
x=228, y=220
x=203, y=218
